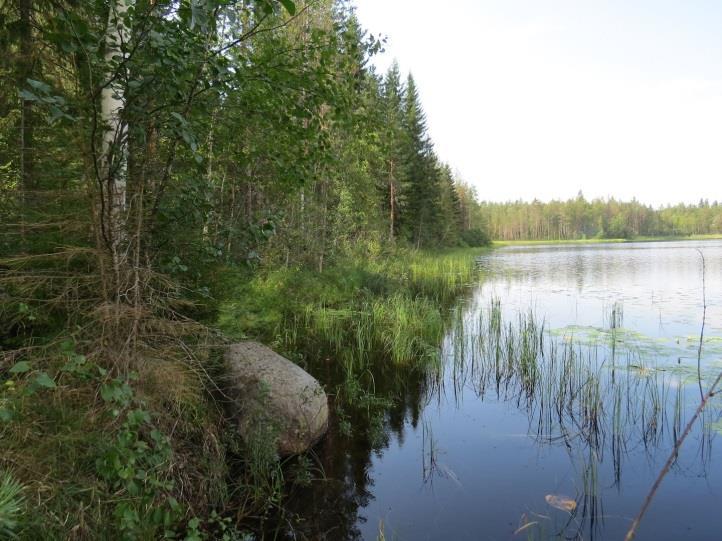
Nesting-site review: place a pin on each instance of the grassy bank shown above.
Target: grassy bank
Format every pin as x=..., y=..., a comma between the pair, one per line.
x=392, y=309
x=92, y=451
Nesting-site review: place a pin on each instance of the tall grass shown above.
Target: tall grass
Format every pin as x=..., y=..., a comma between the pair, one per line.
x=572, y=390
x=399, y=329
x=390, y=310
x=594, y=398
x=442, y=278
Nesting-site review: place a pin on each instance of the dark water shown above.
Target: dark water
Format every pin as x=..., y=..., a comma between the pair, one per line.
x=467, y=453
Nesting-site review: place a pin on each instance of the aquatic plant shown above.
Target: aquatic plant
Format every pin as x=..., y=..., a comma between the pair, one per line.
x=593, y=396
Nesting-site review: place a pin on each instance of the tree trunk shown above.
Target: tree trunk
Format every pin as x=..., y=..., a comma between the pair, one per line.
x=24, y=72
x=392, y=199
x=114, y=149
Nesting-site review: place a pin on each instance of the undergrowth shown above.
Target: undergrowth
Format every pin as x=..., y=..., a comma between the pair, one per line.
x=106, y=455
x=408, y=290
x=91, y=448
x=11, y=505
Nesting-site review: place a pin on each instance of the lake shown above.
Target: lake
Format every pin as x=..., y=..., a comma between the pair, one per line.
x=566, y=376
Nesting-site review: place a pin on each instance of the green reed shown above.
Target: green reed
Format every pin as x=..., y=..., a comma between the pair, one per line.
x=572, y=391
x=399, y=329
x=595, y=398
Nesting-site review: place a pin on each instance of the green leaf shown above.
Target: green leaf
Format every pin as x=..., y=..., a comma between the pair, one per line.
x=39, y=85
x=43, y=380
x=20, y=368
x=179, y=118
x=108, y=392
x=290, y=6
x=28, y=96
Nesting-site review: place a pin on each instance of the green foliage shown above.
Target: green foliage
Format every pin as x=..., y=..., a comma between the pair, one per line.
x=135, y=464
x=475, y=237
x=214, y=528
x=402, y=328
x=256, y=164
x=270, y=304
x=261, y=178
x=113, y=456
x=366, y=317
x=11, y=506
x=43, y=95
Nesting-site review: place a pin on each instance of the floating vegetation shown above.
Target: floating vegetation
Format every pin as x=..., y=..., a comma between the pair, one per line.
x=631, y=340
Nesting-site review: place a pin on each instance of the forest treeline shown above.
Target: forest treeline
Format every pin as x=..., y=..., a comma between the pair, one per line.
x=221, y=130
x=580, y=218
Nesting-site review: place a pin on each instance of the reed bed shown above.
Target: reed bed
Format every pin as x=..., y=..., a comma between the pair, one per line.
x=400, y=330
x=599, y=400
x=373, y=315
x=575, y=391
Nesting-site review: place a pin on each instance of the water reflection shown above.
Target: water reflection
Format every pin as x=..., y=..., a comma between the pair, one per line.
x=330, y=507
x=568, y=373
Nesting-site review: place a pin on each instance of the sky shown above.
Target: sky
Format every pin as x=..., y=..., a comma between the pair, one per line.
x=543, y=98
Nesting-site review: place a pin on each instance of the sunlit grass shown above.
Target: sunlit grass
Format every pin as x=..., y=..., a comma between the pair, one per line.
x=391, y=309
x=400, y=329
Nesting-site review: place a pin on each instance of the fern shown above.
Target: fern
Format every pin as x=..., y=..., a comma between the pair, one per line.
x=11, y=504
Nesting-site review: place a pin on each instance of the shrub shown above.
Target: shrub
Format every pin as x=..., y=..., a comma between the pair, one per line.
x=475, y=237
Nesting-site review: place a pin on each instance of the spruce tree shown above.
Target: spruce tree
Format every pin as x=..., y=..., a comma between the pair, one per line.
x=393, y=136
x=421, y=184
x=450, y=224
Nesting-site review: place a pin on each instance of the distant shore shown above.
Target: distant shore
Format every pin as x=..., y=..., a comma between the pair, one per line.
x=605, y=241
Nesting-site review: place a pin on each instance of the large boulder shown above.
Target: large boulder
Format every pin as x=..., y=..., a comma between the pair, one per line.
x=271, y=395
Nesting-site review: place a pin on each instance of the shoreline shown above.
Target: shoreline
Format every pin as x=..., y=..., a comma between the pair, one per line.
x=501, y=243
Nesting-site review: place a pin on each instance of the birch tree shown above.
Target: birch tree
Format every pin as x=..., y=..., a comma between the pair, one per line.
x=114, y=148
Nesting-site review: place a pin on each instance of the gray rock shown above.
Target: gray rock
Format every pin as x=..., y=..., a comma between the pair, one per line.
x=271, y=395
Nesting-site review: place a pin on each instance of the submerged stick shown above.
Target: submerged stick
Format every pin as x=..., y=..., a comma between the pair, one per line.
x=672, y=457
x=704, y=398
x=701, y=332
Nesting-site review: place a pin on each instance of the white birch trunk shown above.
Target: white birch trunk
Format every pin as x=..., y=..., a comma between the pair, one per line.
x=115, y=132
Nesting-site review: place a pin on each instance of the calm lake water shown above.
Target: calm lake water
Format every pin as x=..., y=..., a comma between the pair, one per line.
x=483, y=450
